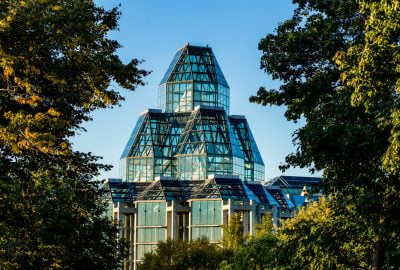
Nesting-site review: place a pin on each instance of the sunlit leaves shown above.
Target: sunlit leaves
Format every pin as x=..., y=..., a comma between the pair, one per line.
x=372, y=70
x=319, y=238
x=233, y=237
x=338, y=63
x=56, y=65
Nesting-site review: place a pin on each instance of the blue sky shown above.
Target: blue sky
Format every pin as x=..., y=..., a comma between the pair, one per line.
x=154, y=29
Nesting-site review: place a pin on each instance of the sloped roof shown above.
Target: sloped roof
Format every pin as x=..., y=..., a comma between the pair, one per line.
x=201, y=136
x=194, y=63
x=263, y=195
x=298, y=182
x=169, y=190
x=280, y=198
x=122, y=191
x=245, y=137
x=299, y=200
x=224, y=188
x=133, y=136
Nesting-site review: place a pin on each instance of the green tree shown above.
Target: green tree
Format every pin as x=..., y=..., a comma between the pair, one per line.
x=56, y=65
x=319, y=238
x=233, y=237
x=372, y=70
x=265, y=227
x=178, y=255
x=259, y=253
x=347, y=142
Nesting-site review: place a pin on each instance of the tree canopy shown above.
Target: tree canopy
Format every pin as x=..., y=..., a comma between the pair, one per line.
x=266, y=226
x=372, y=70
x=56, y=65
x=332, y=57
x=233, y=237
x=177, y=255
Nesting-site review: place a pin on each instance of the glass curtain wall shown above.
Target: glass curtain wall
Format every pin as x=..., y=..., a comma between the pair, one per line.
x=208, y=146
x=151, y=151
x=151, y=226
x=254, y=169
x=207, y=219
x=193, y=78
x=193, y=137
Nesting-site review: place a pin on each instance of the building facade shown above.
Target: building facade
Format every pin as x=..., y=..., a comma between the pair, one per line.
x=189, y=165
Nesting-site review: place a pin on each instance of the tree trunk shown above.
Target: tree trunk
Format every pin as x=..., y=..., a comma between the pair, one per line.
x=379, y=255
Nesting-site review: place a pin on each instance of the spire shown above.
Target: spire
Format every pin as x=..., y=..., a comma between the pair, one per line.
x=193, y=78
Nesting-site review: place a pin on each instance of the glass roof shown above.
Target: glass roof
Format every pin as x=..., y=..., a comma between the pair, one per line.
x=216, y=188
x=281, y=198
x=159, y=138
x=208, y=131
x=295, y=182
x=172, y=65
x=246, y=139
x=223, y=188
x=250, y=194
x=132, y=138
x=191, y=136
x=298, y=200
x=122, y=191
x=194, y=63
x=193, y=78
x=169, y=190
x=263, y=195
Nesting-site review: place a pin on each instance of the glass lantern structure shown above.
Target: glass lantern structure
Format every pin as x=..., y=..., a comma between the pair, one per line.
x=191, y=135
x=189, y=165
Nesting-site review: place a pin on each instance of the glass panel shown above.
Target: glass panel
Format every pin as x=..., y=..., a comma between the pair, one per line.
x=194, y=66
x=195, y=213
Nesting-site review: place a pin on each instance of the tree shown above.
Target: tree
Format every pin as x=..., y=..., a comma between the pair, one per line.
x=319, y=238
x=345, y=141
x=233, y=237
x=259, y=253
x=372, y=70
x=265, y=226
x=56, y=65
x=173, y=254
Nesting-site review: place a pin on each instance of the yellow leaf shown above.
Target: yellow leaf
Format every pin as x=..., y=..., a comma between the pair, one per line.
x=53, y=112
x=56, y=8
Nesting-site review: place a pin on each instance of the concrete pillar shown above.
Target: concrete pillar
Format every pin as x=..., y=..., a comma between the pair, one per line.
x=174, y=221
x=230, y=207
x=132, y=241
x=118, y=220
x=246, y=222
x=190, y=222
x=125, y=228
x=253, y=217
x=275, y=215
x=134, y=246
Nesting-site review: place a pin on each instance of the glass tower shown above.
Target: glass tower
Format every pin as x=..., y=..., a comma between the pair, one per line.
x=191, y=135
x=188, y=166
x=193, y=78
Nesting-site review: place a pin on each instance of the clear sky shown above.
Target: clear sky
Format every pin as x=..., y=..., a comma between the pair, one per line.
x=154, y=29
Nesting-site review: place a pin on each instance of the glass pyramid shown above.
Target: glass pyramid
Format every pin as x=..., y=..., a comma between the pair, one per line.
x=193, y=78
x=191, y=136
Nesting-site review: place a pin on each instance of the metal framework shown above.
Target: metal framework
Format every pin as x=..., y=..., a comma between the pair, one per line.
x=191, y=136
x=263, y=195
x=188, y=166
x=254, y=165
x=169, y=190
x=283, y=201
x=193, y=78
